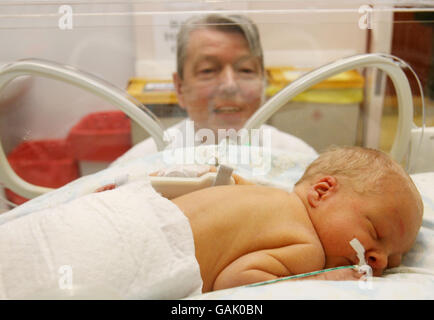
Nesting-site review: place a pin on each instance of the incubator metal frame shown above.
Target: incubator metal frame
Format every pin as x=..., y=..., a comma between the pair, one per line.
x=384, y=62
x=86, y=81
x=125, y=102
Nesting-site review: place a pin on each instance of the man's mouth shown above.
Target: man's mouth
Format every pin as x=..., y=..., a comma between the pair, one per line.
x=228, y=109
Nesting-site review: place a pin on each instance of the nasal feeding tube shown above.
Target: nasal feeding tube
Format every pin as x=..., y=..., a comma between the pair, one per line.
x=362, y=267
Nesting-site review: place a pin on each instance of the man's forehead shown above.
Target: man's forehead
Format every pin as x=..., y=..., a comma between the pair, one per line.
x=205, y=36
x=204, y=57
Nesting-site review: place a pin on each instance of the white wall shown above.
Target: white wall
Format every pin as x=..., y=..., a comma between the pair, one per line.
x=297, y=33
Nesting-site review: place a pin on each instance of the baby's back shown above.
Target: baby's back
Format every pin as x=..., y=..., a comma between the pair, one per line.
x=231, y=221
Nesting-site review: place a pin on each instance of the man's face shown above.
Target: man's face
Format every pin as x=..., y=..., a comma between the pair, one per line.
x=223, y=83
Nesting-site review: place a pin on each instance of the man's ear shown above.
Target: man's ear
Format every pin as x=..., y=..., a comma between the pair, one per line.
x=321, y=190
x=177, y=82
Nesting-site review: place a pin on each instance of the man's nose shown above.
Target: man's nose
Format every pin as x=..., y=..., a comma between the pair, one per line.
x=377, y=261
x=228, y=79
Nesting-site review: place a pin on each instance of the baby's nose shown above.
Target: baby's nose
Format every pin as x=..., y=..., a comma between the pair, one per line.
x=377, y=261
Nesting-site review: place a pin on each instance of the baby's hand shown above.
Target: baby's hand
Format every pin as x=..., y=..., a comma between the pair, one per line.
x=106, y=187
x=193, y=171
x=238, y=179
x=337, y=275
x=183, y=171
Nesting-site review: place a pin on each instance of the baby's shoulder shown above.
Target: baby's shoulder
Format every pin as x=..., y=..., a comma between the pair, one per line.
x=295, y=218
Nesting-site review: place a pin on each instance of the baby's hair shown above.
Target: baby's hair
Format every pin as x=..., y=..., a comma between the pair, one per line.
x=364, y=169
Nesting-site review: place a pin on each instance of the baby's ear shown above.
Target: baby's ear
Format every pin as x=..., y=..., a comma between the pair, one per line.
x=321, y=190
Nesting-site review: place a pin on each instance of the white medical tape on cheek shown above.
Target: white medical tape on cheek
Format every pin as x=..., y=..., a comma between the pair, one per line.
x=360, y=250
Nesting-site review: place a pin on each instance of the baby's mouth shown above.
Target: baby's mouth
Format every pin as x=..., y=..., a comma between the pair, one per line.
x=227, y=109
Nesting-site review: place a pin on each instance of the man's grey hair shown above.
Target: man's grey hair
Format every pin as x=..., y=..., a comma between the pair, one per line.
x=225, y=23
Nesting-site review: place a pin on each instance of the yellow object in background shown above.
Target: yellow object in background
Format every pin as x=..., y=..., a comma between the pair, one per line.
x=159, y=97
x=152, y=91
x=343, y=88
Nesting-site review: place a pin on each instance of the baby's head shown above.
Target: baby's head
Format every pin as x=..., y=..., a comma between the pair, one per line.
x=354, y=192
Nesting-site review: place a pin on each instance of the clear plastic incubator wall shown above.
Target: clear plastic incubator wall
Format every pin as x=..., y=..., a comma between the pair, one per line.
x=84, y=83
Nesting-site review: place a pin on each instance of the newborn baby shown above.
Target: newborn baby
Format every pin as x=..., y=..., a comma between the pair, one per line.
x=247, y=233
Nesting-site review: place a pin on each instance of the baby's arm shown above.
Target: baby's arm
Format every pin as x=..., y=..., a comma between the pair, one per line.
x=200, y=171
x=270, y=264
x=238, y=179
x=336, y=275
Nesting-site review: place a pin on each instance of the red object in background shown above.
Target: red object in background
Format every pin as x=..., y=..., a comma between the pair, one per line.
x=101, y=136
x=46, y=163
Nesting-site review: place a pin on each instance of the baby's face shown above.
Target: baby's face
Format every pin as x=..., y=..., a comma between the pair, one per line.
x=386, y=225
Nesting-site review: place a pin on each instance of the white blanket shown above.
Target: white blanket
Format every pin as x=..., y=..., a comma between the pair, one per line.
x=129, y=241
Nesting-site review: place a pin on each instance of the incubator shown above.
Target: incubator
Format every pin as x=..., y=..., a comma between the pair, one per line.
x=88, y=94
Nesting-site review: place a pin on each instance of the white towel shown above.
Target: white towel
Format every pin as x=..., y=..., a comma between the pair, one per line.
x=129, y=240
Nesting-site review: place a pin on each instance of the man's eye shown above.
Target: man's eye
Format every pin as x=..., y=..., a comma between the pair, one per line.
x=246, y=70
x=206, y=71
